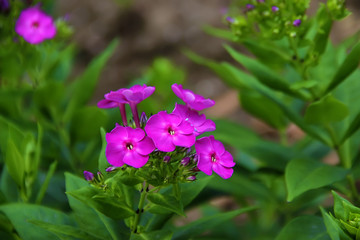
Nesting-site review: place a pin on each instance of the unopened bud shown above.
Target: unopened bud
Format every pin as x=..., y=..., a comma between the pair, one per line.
x=143, y=119
x=274, y=8
x=191, y=178
x=100, y=176
x=110, y=169
x=185, y=161
x=167, y=159
x=89, y=176
x=297, y=22
x=250, y=6
x=230, y=19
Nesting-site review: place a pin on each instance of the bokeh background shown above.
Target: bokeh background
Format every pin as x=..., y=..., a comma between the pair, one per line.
x=163, y=28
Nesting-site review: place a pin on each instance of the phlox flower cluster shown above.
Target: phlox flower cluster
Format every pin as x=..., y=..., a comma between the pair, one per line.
x=165, y=137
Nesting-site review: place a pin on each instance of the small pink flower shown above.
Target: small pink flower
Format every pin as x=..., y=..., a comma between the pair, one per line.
x=212, y=156
x=126, y=145
x=35, y=26
x=199, y=122
x=132, y=96
x=192, y=100
x=169, y=130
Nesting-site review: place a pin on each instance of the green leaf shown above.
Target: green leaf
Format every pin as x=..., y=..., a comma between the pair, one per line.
x=270, y=154
x=325, y=111
x=353, y=127
x=82, y=128
x=87, y=218
x=189, y=191
x=349, y=65
x=15, y=163
x=264, y=74
x=46, y=182
x=304, y=228
x=257, y=105
x=164, y=202
x=220, y=33
x=206, y=223
x=324, y=21
x=84, y=86
x=110, y=206
x=302, y=175
x=103, y=163
x=333, y=229
x=20, y=213
x=161, y=235
x=63, y=230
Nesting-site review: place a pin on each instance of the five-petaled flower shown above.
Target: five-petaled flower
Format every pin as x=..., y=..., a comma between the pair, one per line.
x=126, y=145
x=199, y=122
x=212, y=156
x=35, y=26
x=169, y=130
x=192, y=100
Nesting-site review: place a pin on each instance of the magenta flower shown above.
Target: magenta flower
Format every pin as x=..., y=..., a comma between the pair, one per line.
x=126, y=145
x=212, y=156
x=191, y=99
x=199, y=122
x=89, y=176
x=169, y=130
x=132, y=96
x=35, y=26
x=250, y=6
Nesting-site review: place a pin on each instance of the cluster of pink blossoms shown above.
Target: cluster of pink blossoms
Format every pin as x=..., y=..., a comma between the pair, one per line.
x=164, y=131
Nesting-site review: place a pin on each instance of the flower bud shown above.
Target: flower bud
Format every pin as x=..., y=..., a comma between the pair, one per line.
x=191, y=178
x=143, y=119
x=230, y=19
x=274, y=8
x=185, y=161
x=110, y=169
x=250, y=6
x=297, y=22
x=89, y=176
x=166, y=159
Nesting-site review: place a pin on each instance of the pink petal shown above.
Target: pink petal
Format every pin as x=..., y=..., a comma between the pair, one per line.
x=107, y=104
x=218, y=146
x=114, y=154
x=136, y=134
x=226, y=159
x=203, y=146
x=177, y=89
x=184, y=140
x=204, y=165
x=223, y=172
x=117, y=135
x=146, y=146
x=134, y=159
x=164, y=142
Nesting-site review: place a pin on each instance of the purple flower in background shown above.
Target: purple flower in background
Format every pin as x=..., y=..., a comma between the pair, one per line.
x=89, y=176
x=4, y=5
x=35, y=26
x=274, y=8
x=168, y=131
x=199, y=122
x=297, y=22
x=230, y=19
x=212, y=156
x=250, y=6
x=126, y=145
x=192, y=100
x=261, y=1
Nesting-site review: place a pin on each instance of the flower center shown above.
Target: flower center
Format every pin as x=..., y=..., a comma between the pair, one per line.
x=35, y=24
x=129, y=146
x=213, y=157
x=171, y=131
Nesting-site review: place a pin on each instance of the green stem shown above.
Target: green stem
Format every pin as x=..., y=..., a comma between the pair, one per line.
x=140, y=207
